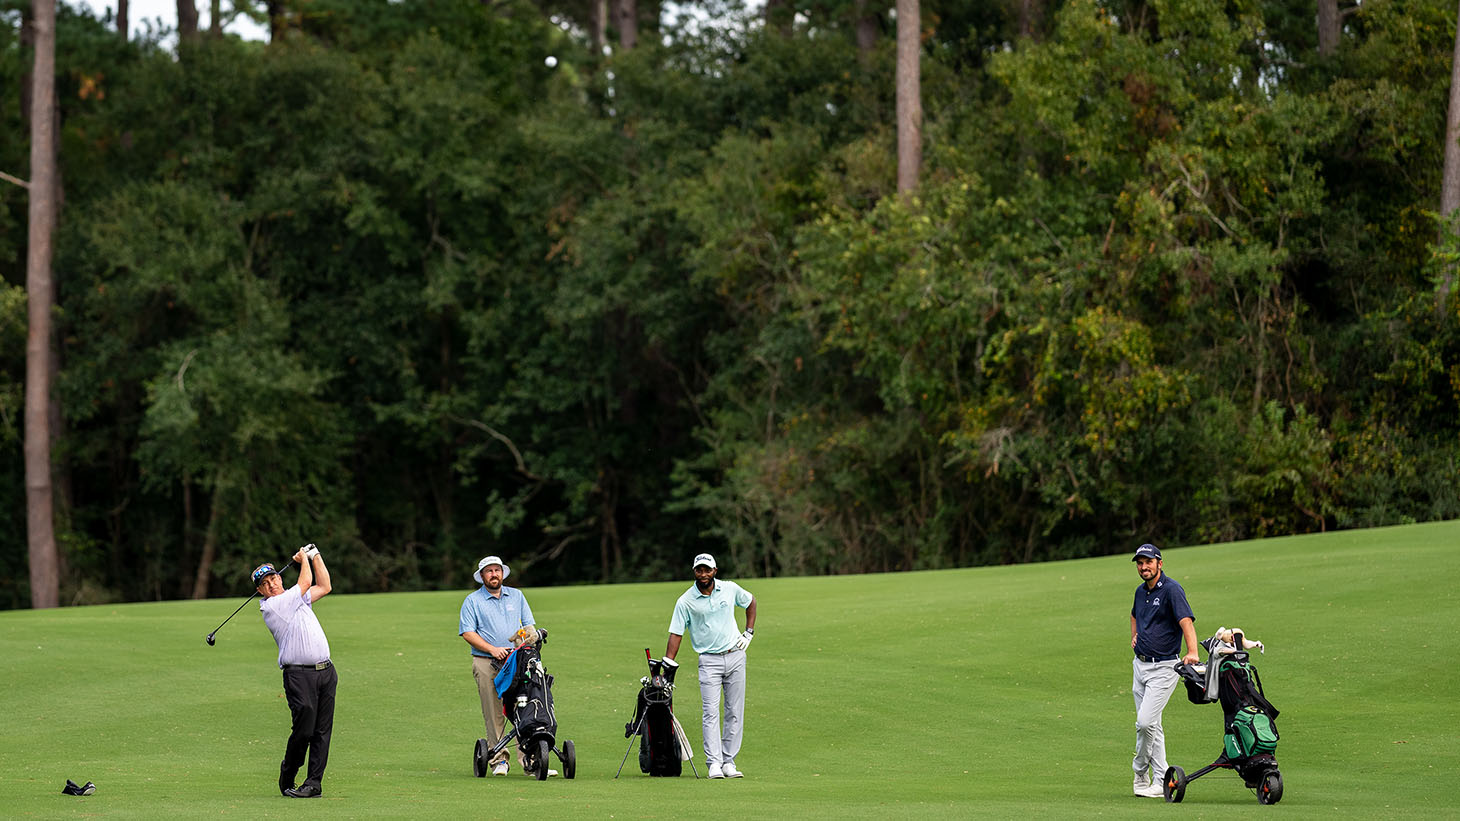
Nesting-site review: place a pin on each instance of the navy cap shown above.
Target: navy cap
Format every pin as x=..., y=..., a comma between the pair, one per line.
x=262, y=572
x=1150, y=551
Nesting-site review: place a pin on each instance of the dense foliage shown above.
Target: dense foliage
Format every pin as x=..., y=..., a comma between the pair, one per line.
x=400, y=285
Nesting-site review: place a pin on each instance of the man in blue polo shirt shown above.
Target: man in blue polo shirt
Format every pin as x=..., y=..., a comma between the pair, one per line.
x=708, y=610
x=491, y=616
x=1160, y=619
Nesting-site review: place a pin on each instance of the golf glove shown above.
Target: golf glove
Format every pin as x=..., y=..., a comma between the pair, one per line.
x=312, y=551
x=744, y=640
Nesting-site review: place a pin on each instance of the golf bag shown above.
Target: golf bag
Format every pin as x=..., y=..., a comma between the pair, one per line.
x=528, y=701
x=526, y=690
x=1250, y=736
x=662, y=746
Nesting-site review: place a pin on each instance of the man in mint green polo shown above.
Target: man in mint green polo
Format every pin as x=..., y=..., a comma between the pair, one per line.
x=708, y=611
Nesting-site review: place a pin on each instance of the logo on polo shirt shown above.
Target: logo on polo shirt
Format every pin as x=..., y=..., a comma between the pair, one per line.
x=1156, y=602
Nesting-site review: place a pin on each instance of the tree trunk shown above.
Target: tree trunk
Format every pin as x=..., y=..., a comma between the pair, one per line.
x=909, y=95
x=215, y=18
x=626, y=19
x=598, y=25
x=123, y=28
x=610, y=546
x=187, y=522
x=867, y=29
x=275, y=11
x=1329, y=26
x=1029, y=13
x=780, y=16
x=45, y=581
x=210, y=545
x=1450, y=181
x=187, y=20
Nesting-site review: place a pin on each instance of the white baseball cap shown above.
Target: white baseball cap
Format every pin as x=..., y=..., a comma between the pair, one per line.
x=703, y=559
x=506, y=571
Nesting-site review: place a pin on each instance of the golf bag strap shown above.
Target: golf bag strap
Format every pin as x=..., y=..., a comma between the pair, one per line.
x=1272, y=711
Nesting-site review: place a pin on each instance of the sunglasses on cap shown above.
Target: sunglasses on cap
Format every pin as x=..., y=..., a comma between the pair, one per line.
x=262, y=572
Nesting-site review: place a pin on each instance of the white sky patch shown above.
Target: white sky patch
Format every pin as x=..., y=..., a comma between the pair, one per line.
x=145, y=16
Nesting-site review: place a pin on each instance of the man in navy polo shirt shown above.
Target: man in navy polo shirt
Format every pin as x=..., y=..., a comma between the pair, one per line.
x=1159, y=620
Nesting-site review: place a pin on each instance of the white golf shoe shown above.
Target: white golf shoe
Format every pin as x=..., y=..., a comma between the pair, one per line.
x=716, y=772
x=500, y=768
x=1142, y=782
x=1152, y=791
x=728, y=768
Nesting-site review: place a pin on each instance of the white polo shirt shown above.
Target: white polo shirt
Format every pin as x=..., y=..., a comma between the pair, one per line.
x=711, y=619
x=291, y=619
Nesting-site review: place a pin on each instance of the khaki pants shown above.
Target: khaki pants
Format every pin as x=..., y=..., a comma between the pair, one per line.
x=484, y=670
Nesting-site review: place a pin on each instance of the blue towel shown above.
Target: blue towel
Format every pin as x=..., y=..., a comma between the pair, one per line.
x=505, y=676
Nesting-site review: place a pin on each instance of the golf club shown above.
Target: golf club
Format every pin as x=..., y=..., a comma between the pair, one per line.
x=210, y=637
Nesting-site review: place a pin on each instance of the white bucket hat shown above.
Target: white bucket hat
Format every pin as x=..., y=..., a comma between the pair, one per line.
x=703, y=559
x=506, y=571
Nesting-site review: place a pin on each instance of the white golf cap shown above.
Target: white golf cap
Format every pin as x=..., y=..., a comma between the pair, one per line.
x=703, y=559
x=497, y=560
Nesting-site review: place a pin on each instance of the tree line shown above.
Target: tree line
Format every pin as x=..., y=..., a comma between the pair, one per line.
x=828, y=286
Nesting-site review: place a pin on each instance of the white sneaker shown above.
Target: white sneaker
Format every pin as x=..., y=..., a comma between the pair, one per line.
x=730, y=771
x=1152, y=791
x=552, y=772
x=716, y=772
x=500, y=768
x=1142, y=782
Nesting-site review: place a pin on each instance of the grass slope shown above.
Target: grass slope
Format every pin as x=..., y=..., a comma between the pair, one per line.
x=991, y=692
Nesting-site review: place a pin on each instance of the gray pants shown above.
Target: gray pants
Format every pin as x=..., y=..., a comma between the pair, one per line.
x=722, y=673
x=1152, y=684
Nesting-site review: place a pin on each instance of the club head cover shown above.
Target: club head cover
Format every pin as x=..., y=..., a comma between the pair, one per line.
x=70, y=788
x=88, y=788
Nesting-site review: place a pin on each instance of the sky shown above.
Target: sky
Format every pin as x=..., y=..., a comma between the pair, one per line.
x=139, y=11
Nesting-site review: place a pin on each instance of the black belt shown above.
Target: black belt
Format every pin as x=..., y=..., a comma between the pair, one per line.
x=1154, y=659
x=323, y=665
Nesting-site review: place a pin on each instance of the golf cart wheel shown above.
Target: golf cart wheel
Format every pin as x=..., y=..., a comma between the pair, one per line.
x=1173, y=784
x=1270, y=791
x=542, y=759
x=570, y=760
x=479, y=758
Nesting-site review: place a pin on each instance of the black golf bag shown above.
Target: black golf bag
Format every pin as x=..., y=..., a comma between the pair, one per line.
x=659, y=750
x=1250, y=736
x=528, y=704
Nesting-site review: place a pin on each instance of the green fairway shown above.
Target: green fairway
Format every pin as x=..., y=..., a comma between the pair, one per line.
x=992, y=692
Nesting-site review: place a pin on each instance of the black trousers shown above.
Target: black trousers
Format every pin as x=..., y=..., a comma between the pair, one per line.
x=311, y=696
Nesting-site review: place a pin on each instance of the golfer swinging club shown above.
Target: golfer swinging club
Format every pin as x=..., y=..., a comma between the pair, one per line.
x=304, y=656
x=708, y=610
x=1159, y=619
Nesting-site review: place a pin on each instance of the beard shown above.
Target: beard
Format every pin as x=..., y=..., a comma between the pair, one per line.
x=493, y=585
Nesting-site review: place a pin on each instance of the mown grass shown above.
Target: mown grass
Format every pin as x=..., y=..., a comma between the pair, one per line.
x=991, y=692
